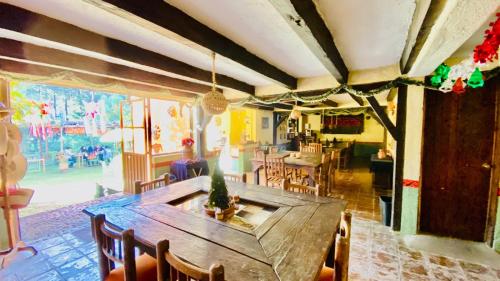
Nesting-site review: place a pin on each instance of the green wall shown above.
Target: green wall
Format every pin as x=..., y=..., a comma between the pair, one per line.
x=496, y=240
x=409, y=213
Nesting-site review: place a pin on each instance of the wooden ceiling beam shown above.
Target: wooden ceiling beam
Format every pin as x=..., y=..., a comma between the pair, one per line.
x=34, y=53
x=330, y=103
x=382, y=115
x=305, y=20
x=173, y=19
x=22, y=68
x=442, y=15
x=23, y=21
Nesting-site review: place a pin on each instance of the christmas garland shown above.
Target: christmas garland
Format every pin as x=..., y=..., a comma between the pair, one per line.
x=344, y=88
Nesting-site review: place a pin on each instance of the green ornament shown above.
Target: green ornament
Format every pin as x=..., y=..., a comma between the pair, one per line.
x=436, y=80
x=476, y=79
x=442, y=71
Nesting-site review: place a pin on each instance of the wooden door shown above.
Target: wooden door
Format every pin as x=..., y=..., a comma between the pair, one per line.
x=457, y=154
x=135, y=156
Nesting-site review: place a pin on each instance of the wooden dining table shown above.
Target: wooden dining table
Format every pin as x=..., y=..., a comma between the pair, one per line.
x=274, y=235
x=308, y=161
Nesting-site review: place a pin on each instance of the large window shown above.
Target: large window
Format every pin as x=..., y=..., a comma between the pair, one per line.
x=170, y=123
x=217, y=132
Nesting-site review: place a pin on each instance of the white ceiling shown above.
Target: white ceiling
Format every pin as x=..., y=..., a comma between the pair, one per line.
x=368, y=33
x=85, y=14
x=270, y=37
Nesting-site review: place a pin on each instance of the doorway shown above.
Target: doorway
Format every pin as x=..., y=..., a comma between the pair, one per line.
x=459, y=133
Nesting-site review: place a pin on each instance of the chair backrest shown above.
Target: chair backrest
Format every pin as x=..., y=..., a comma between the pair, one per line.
x=236, y=177
x=331, y=170
x=325, y=164
x=273, y=149
x=114, y=246
x=342, y=245
x=143, y=186
x=317, y=147
x=286, y=185
x=258, y=153
x=169, y=265
x=275, y=166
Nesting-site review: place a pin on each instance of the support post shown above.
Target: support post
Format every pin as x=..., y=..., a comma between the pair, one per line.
x=397, y=188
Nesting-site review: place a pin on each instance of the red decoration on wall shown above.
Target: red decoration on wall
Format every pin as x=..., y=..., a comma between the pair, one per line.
x=487, y=51
x=458, y=87
x=411, y=183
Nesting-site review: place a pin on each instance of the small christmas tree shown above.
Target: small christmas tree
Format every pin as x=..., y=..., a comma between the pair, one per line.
x=218, y=197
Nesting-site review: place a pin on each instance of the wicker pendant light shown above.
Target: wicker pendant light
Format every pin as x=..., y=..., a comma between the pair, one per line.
x=295, y=114
x=214, y=102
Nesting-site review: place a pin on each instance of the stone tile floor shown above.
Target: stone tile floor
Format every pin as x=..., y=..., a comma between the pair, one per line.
x=67, y=251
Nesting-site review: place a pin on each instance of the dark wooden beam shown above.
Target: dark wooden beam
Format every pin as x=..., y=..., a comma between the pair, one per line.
x=357, y=99
x=433, y=13
x=330, y=103
x=23, y=21
x=379, y=111
x=34, y=53
x=17, y=67
x=169, y=17
x=397, y=190
x=307, y=22
x=259, y=106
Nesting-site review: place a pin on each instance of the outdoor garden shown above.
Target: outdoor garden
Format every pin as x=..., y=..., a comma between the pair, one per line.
x=71, y=138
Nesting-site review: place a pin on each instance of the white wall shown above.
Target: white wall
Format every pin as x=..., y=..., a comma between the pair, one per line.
x=264, y=135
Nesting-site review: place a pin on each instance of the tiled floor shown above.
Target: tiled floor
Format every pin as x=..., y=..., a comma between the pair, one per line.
x=68, y=253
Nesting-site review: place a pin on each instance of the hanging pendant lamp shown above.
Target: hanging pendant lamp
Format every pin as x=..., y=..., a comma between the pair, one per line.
x=214, y=102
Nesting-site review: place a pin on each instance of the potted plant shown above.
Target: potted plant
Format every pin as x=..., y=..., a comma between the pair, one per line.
x=187, y=143
x=218, y=198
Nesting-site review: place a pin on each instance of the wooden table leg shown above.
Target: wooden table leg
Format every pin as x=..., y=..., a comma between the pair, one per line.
x=256, y=176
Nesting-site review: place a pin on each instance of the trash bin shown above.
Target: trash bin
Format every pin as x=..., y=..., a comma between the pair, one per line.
x=386, y=209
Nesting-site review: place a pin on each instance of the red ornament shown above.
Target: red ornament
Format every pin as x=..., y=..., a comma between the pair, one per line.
x=487, y=51
x=458, y=87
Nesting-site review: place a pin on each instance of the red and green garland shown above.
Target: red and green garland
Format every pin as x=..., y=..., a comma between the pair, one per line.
x=466, y=73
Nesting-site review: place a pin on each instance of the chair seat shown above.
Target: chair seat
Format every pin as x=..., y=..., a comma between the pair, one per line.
x=145, y=270
x=327, y=274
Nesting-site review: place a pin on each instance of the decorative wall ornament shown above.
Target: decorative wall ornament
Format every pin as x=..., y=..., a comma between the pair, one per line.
x=344, y=88
x=214, y=102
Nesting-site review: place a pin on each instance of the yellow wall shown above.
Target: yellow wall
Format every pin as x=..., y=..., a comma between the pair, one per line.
x=242, y=124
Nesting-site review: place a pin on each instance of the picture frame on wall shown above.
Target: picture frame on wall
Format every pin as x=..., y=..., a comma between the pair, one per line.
x=265, y=122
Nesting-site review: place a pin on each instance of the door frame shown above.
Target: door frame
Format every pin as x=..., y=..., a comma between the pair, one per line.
x=489, y=230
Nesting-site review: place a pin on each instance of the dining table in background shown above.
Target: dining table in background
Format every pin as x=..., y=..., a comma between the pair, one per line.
x=293, y=242
x=308, y=161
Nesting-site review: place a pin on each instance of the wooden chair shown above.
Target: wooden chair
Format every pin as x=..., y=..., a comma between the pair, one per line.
x=173, y=268
x=141, y=187
x=305, y=189
x=323, y=177
x=113, y=247
x=340, y=270
x=274, y=170
x=273, y=149
x=316, y=147
x=236, y=177
x=331, y=173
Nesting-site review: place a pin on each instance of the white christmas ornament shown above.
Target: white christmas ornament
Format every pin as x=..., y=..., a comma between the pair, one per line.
x=446, y=86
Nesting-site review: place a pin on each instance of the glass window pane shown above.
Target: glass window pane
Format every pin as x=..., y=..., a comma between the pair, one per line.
x=138, y=113
x=170, y=124
x=127, y=114
x=139, y=141
x=128, y=144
